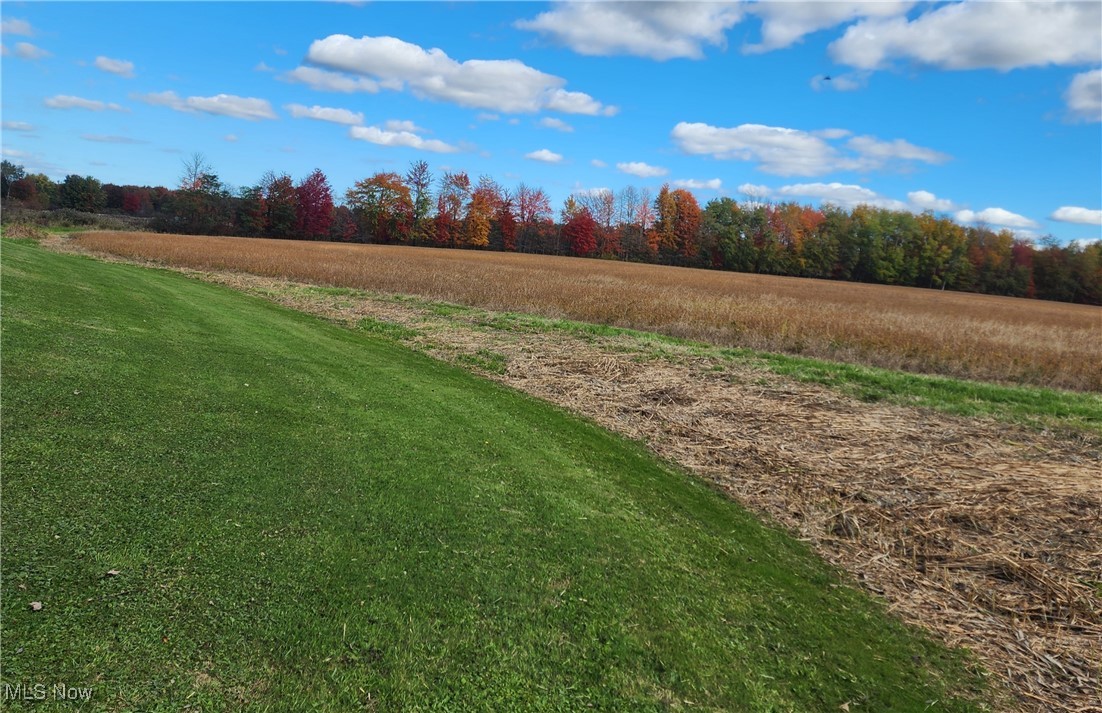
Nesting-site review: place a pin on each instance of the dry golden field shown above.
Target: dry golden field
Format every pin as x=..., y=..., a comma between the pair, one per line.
x=999, y=339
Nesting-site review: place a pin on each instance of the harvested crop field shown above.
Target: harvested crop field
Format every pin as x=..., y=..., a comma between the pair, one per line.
x=998, y=339
x=988, y=535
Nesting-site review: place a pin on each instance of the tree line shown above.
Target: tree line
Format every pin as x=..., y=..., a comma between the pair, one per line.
x=862, y=244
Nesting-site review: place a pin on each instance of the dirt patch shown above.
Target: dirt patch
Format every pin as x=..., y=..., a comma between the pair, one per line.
x=988, y=535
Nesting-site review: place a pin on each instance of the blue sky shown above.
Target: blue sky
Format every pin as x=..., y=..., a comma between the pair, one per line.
x=984, y=111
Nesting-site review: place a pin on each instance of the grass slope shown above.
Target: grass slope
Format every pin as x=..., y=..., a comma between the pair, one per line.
x=308, y=518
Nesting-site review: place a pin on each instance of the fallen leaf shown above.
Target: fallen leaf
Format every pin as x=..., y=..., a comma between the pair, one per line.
x=113, y=573
x=36, y=606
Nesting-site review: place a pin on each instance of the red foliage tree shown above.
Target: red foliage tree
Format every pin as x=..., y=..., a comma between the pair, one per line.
x=314, y=212
x=580, y=232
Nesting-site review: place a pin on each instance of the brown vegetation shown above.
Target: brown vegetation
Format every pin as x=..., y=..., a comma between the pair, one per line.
x=964, y=335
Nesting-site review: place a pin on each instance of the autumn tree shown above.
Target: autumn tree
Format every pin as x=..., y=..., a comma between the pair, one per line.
x=280, y=205
x=579, y=230
x=480, y=212
x=383, y=207
x=535, y=233
x=451, y=205
x=314, y=206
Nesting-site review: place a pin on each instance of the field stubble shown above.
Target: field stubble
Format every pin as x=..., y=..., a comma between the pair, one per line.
x=1000, y=339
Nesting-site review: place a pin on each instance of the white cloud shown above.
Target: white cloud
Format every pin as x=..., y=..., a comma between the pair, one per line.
x=231, y=138
x=976, y=35
x=404, y=125
x=100, y=138
x=1074, y=214
x=659, y=30
x=17, y=126
x=551, y=122
x=14, y=153
x=323, y=81
x=792, y=152
x=115, y=66
x=840, y=194
x=924, y=200
x=598, y=163
x=486, y=116
x=785, y=23
x=248, y=108
x=642, y=170
x=263, y=67
x=63, y=101
x=544, y=155
x=1084, y=96
x=712, y=184
x=995, y=216
x=497, y=85
x=322, y=113
x=408, y=139
x=25, y=50
x=12, y=26
x=879, y=153
x=786, y=152
x=755, y=191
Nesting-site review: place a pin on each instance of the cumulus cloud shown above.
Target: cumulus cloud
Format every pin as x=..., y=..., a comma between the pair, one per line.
x=323, y=81
x=846, y=195
x=102, y=139
x=231, y=138
x=658, y=30
x=551, y=122
x=498, y=85
x=793, y=152
x=712, y=184
x=248, y=108
x=404, y=125
x=25, y=50
x=544, y=155
x=978, y=35
x=407, y=139
x=323, y=113
x=64, y=101
x=1084, y=96
x=785, y=23
x=642, y=170
x=882, y=152
x=598, y=163
x=1075, y=214
x=20, y=126
x=115, y=66
x=995, y=216
x=924, y=200
x=755, y=191
x=13, y=26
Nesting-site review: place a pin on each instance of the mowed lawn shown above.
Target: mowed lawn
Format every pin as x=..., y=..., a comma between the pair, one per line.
x=302, y=517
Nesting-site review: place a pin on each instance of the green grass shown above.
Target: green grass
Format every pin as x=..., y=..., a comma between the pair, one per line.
x=311, y=518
